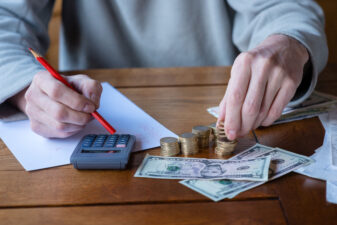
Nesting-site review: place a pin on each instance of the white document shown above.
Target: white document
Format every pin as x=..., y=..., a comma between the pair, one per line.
x=333, y=136
x=331, y=192
x=35, y=152
x=323, y=167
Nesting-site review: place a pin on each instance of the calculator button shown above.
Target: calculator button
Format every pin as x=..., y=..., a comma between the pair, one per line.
x=101, y=137
x=86, y=144
x=121, y=145
x=98, y=144
x=109, y=145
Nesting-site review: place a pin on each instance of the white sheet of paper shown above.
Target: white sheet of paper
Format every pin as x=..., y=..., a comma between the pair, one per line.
x=321, y=168
x=331, y=192
x=333, y=137
x=35, y=152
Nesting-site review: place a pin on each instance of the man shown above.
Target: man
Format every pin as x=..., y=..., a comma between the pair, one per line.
x=282, y=43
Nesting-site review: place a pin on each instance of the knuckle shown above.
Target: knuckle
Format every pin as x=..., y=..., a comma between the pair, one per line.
x=293, y=84
x=65, y=134
x=247, y=57
x=61, y=127
x=35, y=127
x=29, y=110
x=55, y=91
x=274, y=113
x=29, y=95
x=251, y=108
x=37, y=78
x=81, y=76
x=244, y=59
x=235, y=97
x=271, y=59
x=91, y=84
x=78, y=104
x=60, y=114
x=84, y=119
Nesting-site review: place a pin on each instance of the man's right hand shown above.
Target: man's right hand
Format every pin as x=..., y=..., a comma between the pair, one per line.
x=56, y=111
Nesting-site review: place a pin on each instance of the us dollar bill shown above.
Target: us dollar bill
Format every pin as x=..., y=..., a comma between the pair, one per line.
x=199, y=168
x=282, y=162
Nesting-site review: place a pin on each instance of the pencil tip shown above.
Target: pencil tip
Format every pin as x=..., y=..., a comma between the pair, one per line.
x=34, y=53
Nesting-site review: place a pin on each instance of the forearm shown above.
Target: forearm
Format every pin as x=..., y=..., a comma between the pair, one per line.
x=23, y=24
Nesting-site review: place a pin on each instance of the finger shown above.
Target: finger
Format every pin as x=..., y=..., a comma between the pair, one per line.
x=63, y=94
x=272, y=88
x=90, y=88
x=56, y=110
x=36, y=113
x=222, y=110
x=252, y=103
x=236, y=92
x=45, y=131
x=283, y=97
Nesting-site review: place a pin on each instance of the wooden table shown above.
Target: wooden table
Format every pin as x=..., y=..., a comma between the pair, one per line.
x=178, y=98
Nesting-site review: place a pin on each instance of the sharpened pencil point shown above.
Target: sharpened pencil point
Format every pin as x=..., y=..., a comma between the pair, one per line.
x=34, y=53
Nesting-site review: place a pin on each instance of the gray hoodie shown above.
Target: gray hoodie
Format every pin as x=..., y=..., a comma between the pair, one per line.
x=153, y=33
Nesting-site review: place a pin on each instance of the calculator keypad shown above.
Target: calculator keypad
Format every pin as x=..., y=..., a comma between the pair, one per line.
x=103, y=151
x=105, y=141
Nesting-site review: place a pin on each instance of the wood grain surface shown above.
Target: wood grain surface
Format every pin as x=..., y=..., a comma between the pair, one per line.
x=178, y=98
x=238, y=213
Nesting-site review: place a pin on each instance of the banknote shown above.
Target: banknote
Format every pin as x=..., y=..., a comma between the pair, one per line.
x=316, y=99
x=282, y=162
x=318, y=103
x=199, y=168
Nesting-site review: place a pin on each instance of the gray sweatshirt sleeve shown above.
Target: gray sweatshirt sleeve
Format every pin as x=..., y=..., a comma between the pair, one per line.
x=23, y=24
x=255, y=20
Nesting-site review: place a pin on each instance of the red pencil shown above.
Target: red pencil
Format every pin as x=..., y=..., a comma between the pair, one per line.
x=56, y=75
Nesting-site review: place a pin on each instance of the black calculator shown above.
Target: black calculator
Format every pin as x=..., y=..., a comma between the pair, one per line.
x=103, y=151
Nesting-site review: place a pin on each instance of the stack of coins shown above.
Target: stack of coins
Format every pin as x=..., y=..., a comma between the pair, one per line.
x=189, y=143
x=214, y=133
x=220, y=130
x=223, y=145
x=202, y=133
x=169, y=146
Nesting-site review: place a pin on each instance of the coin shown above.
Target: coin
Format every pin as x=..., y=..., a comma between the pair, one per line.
x=203, y=133
x=213, y=134
x=169, y=146
x=188, y=143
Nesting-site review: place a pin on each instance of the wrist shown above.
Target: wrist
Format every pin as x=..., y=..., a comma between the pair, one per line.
x=19, y=100
x=292, y=44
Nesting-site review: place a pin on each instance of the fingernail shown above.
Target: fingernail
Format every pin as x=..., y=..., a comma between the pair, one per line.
x=231, y=134
x=89, y=108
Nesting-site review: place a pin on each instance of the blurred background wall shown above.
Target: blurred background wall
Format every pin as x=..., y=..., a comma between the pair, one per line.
x=329, y=7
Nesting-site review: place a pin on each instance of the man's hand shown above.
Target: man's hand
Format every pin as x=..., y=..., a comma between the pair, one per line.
x=54, y=109
x=262, y=83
